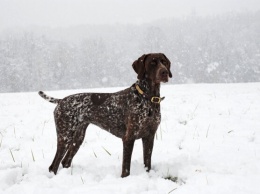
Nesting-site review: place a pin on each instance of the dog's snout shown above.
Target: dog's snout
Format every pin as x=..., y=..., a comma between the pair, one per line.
x=164, y=72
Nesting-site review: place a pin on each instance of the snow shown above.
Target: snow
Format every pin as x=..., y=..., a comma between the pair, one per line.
x=212, y=66
x=208, y=142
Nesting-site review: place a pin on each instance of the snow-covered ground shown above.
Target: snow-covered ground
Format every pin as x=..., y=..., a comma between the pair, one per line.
x=208, y=142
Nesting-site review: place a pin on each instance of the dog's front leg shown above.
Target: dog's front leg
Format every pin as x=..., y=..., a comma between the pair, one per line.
x=147, y=151
x=128, y=146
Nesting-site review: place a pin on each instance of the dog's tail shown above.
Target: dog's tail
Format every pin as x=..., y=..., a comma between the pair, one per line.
x=48, y=98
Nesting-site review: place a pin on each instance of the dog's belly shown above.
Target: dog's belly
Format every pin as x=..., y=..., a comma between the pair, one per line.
x=115, y=129
x=111, y=122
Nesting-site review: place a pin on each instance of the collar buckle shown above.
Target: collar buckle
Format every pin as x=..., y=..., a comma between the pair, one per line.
x=156, y=100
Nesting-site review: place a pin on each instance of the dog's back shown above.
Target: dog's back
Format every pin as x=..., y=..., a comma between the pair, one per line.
x=106, y=110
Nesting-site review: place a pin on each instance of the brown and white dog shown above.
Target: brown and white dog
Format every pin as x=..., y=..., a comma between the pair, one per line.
x=129, y=114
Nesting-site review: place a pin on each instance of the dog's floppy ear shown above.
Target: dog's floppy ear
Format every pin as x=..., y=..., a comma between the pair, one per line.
x=139, y=66
x=168, y=66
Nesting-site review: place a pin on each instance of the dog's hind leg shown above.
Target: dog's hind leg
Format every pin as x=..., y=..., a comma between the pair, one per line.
x=77, y=140
x=62, y=147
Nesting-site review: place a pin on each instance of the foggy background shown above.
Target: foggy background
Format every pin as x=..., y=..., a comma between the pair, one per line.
x=65, y=44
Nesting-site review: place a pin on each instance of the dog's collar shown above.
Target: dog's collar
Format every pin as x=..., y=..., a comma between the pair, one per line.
x=153, y=99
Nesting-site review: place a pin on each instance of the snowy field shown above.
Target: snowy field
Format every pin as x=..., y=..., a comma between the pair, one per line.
x=208, y=142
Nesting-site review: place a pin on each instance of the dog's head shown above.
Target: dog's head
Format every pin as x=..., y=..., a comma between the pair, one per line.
x=154, y=66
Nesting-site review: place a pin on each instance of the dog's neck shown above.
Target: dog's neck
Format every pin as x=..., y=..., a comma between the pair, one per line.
x=149, y=87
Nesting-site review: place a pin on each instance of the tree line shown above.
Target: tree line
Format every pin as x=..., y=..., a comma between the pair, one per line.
x=214, y=49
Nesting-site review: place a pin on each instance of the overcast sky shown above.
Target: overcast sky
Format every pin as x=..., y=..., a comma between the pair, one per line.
x=55, y=13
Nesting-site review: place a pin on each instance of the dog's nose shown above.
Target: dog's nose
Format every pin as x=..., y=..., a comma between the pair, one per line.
x=164, y=72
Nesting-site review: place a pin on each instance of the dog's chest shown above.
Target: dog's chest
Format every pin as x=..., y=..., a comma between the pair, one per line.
x=144, y=118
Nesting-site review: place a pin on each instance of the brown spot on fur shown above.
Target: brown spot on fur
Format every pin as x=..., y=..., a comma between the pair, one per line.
x=98, y=99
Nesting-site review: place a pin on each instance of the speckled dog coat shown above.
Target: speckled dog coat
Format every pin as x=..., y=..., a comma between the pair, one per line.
x=129, y=114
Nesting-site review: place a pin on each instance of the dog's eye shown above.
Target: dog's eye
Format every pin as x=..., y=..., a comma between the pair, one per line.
x=164, y=62
x=153, y=63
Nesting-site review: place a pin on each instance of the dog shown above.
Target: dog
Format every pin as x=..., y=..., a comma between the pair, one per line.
x=129, y=114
